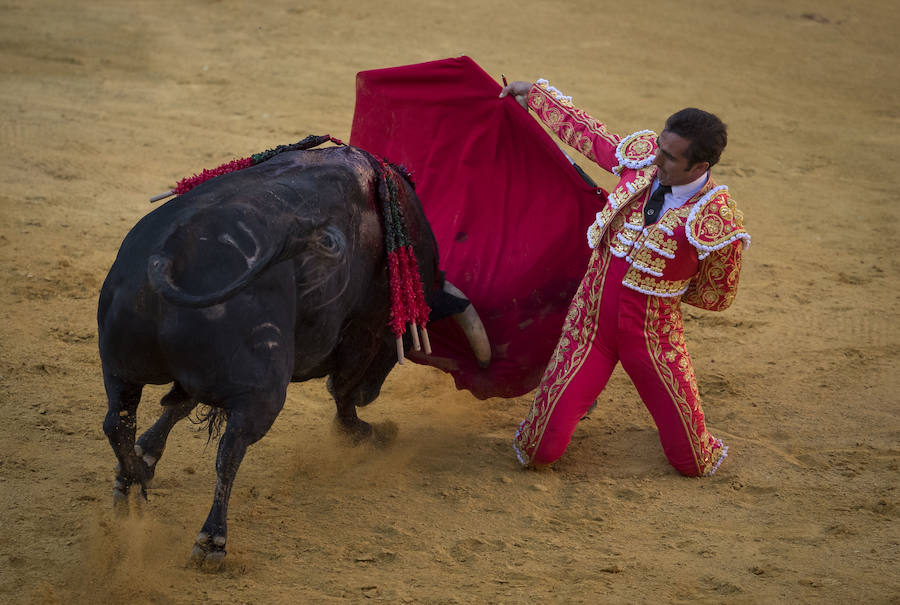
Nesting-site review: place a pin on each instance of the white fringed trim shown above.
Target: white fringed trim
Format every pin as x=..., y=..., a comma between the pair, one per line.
x=634, y=165
x=643, y=268
x=617, y=254
x=520, y=455
x=624, y=240
x=665, y=229
x=557, y=93
x=650, y=293
x=659, y=251
x=702, y=248
x=633, y=227
x=591, y=244
x=707, y=250
x=719, y=461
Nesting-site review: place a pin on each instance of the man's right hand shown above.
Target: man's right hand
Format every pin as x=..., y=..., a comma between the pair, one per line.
x=519, y=90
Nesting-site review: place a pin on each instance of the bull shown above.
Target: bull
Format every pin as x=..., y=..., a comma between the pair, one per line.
x=258, y=278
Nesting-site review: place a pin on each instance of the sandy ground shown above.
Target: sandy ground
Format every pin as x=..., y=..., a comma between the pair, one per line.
x=104, y=104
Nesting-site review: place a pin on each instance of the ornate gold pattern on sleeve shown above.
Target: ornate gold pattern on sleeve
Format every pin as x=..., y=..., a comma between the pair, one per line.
x=572, y=125
x=716, y=283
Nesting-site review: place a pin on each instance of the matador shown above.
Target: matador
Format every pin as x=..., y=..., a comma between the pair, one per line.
x=666, y=234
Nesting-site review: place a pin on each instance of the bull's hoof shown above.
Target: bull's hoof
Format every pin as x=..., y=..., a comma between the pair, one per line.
x=358, y=432
x=147, y=463
x=208, y=554
x=353, y=431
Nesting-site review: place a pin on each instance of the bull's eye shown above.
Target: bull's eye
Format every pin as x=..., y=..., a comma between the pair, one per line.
x=331, y=240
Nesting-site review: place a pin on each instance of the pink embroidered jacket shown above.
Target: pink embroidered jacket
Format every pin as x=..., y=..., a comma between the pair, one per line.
x=693, y=251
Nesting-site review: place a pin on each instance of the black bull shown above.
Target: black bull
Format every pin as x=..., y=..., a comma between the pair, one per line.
x=255, y=279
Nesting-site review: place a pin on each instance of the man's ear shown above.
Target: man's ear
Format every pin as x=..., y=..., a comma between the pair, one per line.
x=697, y=169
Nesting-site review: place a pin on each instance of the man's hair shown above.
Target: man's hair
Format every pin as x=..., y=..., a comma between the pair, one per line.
x=706, y=132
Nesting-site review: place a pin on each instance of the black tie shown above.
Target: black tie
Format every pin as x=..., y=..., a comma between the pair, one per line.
x=655, y=204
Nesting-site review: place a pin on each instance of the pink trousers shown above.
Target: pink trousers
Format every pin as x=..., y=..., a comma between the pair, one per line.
x=608, y=323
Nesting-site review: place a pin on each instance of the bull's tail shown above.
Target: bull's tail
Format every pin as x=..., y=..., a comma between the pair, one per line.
x=212, y=418
x=160, y=274
x=323, y=243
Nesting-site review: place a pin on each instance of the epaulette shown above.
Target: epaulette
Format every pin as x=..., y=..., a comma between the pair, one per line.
x=715, y=222
x=636, y=151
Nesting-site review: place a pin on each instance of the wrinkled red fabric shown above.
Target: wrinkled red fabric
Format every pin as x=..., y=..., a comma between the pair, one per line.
x=509, y=211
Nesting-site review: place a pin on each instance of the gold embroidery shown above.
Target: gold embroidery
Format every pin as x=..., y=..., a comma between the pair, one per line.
x=578, y=332
x=715, y=285
x=638, y=147
x=618, y=197
x=646, y=258
x=673, y=218
x=717, y=222
x=664, y=338
x=617, y=223
x=593, y=235
x=663, y=242
x=605, y=215
x=629, y=234
x=636, y=220
x=618, y=247
x=650, y=284
x=641, y=181
x=559, y=113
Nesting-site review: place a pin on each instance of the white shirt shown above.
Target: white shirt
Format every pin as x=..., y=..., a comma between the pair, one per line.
x=680, y=193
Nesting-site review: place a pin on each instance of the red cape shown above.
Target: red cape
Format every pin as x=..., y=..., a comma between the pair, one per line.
x=509, y=212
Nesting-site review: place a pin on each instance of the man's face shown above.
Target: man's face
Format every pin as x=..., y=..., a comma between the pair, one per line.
x=671, y=158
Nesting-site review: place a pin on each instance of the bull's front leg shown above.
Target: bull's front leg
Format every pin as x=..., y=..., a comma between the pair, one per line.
x=356, y=385
x=347, y=421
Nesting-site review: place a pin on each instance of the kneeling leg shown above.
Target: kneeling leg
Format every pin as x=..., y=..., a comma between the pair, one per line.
x=662, y=372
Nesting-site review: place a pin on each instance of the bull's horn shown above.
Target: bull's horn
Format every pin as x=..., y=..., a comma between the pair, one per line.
x=471, y=324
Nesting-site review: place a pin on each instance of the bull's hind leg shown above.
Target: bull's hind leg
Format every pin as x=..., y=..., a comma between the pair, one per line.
x=120, y=426
x=248, y=420
x=353, y=386
x=177, y=404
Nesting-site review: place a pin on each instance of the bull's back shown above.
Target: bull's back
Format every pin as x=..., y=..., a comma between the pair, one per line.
x=140, y=332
